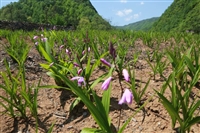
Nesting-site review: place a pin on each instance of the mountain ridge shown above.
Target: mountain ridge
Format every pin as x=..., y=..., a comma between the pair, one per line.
x=143, y=25
x=181, y=16
x=79, y=13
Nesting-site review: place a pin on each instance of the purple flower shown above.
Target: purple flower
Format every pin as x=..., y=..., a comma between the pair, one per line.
x=54, y=27
x=105, y=62
x=127, y=97
x=79, y=71
x=76, y=64
x=106, y=83
x=61, y=47
x=80, y=80
x=112, y=50
x=67, y=51
x=44, y=39
x=126, y=75
x=35, y=37
x=42, y=28
x=50, y=65
x=36, y=43
x=84, y=51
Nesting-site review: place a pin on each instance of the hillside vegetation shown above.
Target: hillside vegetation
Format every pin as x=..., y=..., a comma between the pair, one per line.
x=181, y=16
x=143, y=25
x=78, y=13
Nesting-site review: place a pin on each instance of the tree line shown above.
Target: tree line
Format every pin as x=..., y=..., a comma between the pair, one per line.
x=78, y=13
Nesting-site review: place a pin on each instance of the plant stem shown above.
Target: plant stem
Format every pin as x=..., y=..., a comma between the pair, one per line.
x=120, y=108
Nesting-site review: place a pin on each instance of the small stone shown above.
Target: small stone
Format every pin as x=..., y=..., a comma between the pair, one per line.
x=140, y=128
x=70, y=127
x=84, y=114
x=72, y=118
x=133, y=119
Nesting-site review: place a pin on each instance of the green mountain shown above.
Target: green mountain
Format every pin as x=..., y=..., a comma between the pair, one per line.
x=143, y=25
x=181, y=15
x=79, y=13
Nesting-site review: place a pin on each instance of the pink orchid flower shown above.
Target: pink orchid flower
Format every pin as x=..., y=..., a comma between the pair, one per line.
x=35, y=37
x=80, y=80
x=127, y=97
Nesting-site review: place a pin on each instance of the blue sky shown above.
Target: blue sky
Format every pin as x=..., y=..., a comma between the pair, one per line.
x=123, y=12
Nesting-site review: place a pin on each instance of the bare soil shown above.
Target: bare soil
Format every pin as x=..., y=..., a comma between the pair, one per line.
x=53, y=104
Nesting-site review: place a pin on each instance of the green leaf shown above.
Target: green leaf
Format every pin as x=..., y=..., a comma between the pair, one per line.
x=193, y=108
x=51, y=128
x=192, y=122
x=106, y=96
x=190, y=65
x=173, y=90
x=95, y=112
x=51, y=86
x=96, y=52
x=7, y=108
x=27, y=98
x=133, y=89
x=196, y=77
x=100, y=106
x=45, y=54
x=106, y=100
x=47, y=48
x=129, y=119
x=45, y=66
x=88, y=69
x=91, y=130
x=192, y=83
x=170, y=109
x=144, y=89
x=97, y=81
x=12, y=104
x=6, y=80
x=74, y=103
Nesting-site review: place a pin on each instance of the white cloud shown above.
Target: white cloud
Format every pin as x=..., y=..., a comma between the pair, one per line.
x=120, y=13
x=142, y=3
x=124, y=12
x=127, y=11
x=129, y=18
x=123, y=1
x=134, y=16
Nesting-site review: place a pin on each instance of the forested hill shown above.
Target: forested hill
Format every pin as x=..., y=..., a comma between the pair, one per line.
x=182, y=15
x=79, y=13
x=143, y=25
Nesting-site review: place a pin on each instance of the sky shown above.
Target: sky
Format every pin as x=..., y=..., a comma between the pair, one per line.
x=123, y=12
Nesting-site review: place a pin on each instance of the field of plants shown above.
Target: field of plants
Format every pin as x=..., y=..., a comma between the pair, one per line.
x=99, y=82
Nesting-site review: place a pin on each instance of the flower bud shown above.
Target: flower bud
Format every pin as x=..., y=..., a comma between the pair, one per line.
x=112, y=50
x=106, y=83
x=105, y=62
x=35, y=37
x=79, y=71
x=61, y=47
x=126, y=75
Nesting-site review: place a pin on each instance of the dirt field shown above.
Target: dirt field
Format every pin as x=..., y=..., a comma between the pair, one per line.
x=53, y=104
